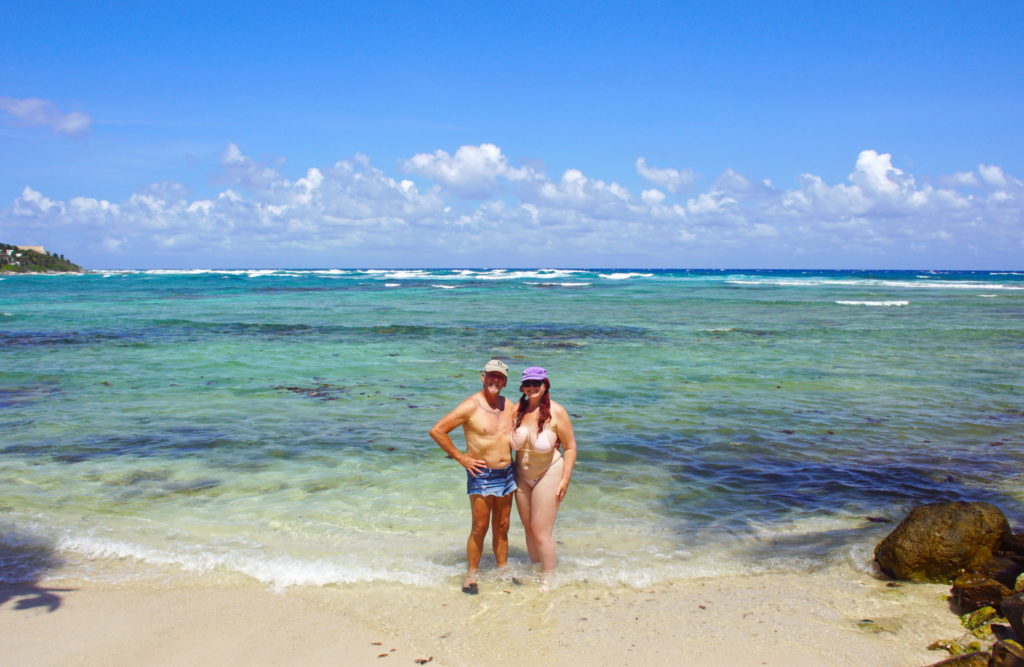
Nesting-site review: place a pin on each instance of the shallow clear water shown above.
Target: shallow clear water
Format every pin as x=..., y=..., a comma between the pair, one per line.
x=273, y=423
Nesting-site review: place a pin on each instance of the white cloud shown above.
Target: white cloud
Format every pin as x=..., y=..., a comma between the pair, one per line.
x=351, y=210
x=36, y=112
x=652, y=197
x=962, y=179
x=32, y=204
x=992, y=175
x=673, y=180
x=474, y=171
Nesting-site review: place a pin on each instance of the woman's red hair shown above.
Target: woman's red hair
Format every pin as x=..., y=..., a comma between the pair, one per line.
x=545, y=407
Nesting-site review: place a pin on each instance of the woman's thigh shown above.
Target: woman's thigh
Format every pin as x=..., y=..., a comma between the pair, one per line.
x=523, y=503
x=544, y=498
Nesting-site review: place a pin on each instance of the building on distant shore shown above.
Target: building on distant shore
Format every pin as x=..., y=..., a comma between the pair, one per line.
x=38, y=248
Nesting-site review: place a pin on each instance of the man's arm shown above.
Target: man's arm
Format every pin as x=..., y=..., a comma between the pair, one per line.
x=441, y=435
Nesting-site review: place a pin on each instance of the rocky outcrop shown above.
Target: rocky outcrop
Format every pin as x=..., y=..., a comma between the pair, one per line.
x=976, y=659
x=1006, y=653
x=940, y=541
x=973, y=591
x=1012, y=608
x=971, y=545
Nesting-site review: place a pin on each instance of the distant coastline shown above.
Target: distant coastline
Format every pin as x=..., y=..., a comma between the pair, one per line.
x=34, y=259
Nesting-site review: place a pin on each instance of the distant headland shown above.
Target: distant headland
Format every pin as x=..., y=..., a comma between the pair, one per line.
x=33, y=259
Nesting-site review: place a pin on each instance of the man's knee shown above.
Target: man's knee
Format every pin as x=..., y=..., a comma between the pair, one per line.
x=479, y=528
x=501, y=524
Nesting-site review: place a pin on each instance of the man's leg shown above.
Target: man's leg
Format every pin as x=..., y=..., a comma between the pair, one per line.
x=481, y=511
x=500, y=514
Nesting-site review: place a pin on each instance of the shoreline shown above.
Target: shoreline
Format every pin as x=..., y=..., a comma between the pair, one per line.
x=771, y=619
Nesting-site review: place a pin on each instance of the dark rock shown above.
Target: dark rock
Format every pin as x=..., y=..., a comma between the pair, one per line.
x=976, y=659
x=1003, y=567
x=973, y=591
x=1014, y=543
x=1001, y=631
x=939, y=541
x=1012, y=608
x=1007, y=654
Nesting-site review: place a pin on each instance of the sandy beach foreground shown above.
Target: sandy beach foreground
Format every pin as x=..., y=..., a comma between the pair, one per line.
x=775, y=619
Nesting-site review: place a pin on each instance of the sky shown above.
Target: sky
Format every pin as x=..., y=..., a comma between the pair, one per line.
x=884, y=135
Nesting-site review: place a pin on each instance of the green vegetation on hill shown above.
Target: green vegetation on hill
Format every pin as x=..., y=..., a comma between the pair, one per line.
x=16, y=260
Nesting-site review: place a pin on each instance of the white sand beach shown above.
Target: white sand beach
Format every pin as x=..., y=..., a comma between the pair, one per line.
x=776, y=619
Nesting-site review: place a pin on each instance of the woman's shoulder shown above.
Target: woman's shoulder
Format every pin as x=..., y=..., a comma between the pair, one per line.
x=557, y=409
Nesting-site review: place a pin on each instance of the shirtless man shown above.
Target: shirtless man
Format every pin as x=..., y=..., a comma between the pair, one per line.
x=486, y=421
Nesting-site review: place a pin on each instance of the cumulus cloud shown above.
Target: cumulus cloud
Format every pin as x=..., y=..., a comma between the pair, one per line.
x=992, y=175
x=483, y=211
x=36, y=112
x=673, y=180
x=474, y=171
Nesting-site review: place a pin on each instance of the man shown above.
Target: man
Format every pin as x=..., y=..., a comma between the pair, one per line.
x=486, y=420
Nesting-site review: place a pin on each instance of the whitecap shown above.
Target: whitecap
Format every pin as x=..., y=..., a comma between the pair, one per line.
x=444, y=286
x=873, y=303
x=392, y=284
x=393, y=274
x=870, y=282
x=505, y=274
x=624, y=276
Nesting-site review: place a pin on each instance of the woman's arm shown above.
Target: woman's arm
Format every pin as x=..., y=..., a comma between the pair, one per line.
x=563, y=429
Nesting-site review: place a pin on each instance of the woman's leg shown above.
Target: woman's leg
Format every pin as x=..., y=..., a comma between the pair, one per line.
x=523, y=496
x=543, y=508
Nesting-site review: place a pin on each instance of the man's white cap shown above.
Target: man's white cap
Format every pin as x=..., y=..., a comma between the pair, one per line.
x=497, y=367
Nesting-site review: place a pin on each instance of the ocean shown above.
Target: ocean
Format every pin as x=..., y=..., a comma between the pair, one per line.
x=272, y=424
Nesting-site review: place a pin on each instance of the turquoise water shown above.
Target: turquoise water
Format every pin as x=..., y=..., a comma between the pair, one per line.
x=273, y=424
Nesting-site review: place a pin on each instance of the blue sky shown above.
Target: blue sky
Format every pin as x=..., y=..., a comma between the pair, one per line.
x=767, y=134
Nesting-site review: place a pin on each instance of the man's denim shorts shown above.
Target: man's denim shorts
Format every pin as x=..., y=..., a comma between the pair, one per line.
x=492, y=482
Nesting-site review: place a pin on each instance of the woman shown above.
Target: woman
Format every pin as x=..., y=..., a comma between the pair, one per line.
x=542, y=471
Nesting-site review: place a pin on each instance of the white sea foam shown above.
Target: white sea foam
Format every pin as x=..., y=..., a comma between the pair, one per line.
x=502, y=274
x=392, y=284
x=445, y=286
x=560, y=284
x=988, y=296
x=624, y=276
x=391, y=274
x=883, y=304
x=277, y=571
x=866, y=282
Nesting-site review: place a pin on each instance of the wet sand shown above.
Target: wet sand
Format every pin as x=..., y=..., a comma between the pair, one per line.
x=775, y=619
